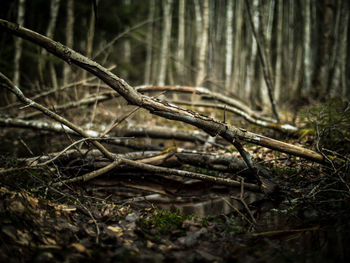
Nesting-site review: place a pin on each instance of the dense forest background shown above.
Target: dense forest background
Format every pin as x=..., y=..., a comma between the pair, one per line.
x=228, y=141
x=208, y=43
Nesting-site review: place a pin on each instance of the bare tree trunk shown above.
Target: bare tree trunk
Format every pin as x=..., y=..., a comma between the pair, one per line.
x=263, y=53
x=250, y=84
x=278, y=65
x=126, y=47
x=296, y=52
x=333, y=59
x=148, y=65
x=291, y=61
x=307, y=47
x=338, y=86
x=54, y=7
x=90, y=38
x=321, y=70
x=198, y=26
x=228, y=65
x=201, y=74
x=166, y=35
x=180, y=55
x=268, y=36
x=18, y=45
x=69, y=38
x=215, y=70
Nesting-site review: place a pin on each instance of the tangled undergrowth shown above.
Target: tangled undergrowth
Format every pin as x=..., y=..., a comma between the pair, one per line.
x=307, y=221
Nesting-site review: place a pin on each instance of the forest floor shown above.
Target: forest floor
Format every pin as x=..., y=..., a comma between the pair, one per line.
x=307, y=221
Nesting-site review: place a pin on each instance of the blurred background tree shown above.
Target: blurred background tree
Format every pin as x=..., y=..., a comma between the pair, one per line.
x=176, y=42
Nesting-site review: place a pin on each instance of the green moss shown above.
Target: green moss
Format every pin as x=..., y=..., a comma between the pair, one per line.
x=232, y=149
x=201, y=170
x=278, y=172
x=163, y=221
x=306, y=132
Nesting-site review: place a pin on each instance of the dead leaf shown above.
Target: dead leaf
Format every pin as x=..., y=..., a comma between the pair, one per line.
x=49, y=241
x=32, y=201
x=23, y=238
x=149, y=244
x=116, y=229
x=79, y=247
x=10, y=231
x=17, y=207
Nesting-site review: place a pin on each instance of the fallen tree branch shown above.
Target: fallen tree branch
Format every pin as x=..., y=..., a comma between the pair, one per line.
x=154, y=106
x=230, y=105
x=207, y=94
x=221, y=162
x=160, y=170
x=235, y=105
x=285, y=128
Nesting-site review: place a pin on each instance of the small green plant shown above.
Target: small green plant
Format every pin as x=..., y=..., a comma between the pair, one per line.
x=164, y=221
x=233, y=226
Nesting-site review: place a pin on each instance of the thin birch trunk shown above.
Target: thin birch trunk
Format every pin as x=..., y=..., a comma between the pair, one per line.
x=296, y=61
x=238, y=54
x=270, y=19
x=216, y=54
x=269, y=26
x=201, y=74
x=291, y=61
x=166, y=34
x=18, y=45
x=69, y=38
x=228, y=65
x=307, y=47
x=149, y=42
x=180, y=55
x=198, y=25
